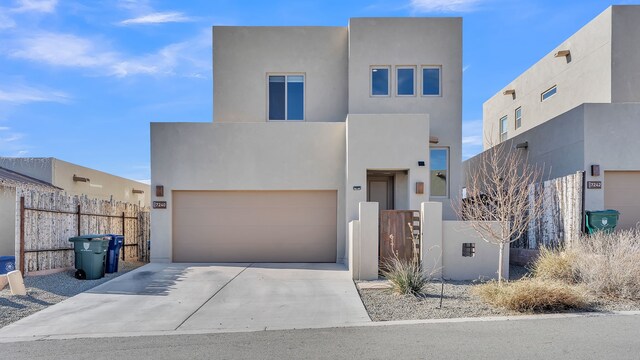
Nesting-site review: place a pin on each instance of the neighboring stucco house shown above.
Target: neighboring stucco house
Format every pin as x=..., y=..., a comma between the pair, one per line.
x=578, y=109
x=50, y=175
x=309, y=122
x=79, y=180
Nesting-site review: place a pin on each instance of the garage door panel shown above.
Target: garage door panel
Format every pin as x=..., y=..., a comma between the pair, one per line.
x=622, y=193
x=254, y=226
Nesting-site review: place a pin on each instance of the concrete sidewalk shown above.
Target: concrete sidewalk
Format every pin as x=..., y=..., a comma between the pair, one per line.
x=201, y=297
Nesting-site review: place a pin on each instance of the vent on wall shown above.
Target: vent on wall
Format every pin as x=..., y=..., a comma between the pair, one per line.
x=468, y=249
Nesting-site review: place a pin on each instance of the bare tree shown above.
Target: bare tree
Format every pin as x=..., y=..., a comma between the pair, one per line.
x=500, y=188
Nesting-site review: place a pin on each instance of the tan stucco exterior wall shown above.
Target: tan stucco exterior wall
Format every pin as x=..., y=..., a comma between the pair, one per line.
x=587, y=78
x=243, y=56
x=414, y=42
x=101, y=186
x=7, y=220
x=245, y=156
x=60, y=173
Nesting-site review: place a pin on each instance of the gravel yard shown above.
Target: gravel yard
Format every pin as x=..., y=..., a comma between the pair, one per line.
x=457, y=302
x=46, y=290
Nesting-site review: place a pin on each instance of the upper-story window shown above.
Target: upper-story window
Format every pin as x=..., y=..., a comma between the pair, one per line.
x=431, y=80
x=549, y=93
x=518, y=116
x=503, y=128
x=286, y=97
x=439, y=164
x=380, y=81
x=406, y=80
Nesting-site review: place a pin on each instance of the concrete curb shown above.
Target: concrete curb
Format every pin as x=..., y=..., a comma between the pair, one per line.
x=353, y=325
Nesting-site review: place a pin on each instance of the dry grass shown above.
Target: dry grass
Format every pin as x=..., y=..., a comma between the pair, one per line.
x=406, y=277
x=532, y=295
x=609, y=264
x=554, y=264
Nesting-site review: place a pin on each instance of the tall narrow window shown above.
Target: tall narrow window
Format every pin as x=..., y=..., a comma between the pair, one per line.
x=518, y=117
x=431, y=81
x=549, y=93
x=503, y=128
x=380, y=81
x=286, y=97
x=439, y=168
x=405, y=78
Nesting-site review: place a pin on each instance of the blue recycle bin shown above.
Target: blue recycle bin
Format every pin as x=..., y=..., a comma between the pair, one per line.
x=113, y=252
x=7, y=264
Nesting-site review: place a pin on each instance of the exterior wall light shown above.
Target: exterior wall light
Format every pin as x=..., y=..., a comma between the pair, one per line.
x=524, y=145
x=137, y=191
x=433, y=140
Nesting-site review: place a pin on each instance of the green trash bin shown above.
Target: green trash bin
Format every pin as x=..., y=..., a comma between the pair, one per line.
x=90, y=252
x=604, y=220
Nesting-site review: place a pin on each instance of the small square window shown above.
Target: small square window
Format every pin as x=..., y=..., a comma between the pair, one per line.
x=518, y=117
x=431, y=80
x=549, y=93
x=405, y=79
x=380, y=81
x=468, y=249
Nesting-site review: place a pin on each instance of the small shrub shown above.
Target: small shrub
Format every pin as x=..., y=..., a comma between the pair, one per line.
x=406, y=277
x=609, y=263
x=532, y=295
x=555, y=265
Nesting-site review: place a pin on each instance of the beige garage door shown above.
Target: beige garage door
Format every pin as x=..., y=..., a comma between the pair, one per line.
x=254, y=226
x=622, y=193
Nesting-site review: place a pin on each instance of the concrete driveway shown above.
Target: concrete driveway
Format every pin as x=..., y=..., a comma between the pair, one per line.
x=193, y=298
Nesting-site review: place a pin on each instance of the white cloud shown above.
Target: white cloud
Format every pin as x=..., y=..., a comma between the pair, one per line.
x=4, y=128
x=472, y=138
x=444, y=6
x=5, y=21
x=61, y=50
x=158, y=18
x=46, y=6
x=23, y=94
x=189, y=58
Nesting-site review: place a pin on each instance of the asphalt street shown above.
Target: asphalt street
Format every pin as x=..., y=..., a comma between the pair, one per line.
x=592, y=337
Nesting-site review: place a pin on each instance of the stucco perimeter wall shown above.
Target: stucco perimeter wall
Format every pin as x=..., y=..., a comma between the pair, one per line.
x=557, y=146
x=417, y=42
x=243, y=57
x=364, y=242
x=586, y=78
x=7, y=221
x=244, y=156
x=611, y=137
x=442, y=248
x=101, y=185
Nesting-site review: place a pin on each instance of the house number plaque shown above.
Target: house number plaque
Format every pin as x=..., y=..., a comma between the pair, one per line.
x=159, y=204
x=594, y=184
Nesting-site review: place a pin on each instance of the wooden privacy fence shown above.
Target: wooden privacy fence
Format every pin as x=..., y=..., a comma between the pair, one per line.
x=561, y=222
x=46, y=220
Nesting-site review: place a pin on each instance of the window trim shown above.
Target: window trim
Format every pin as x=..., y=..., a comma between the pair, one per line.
x=389, y=82
x=422, y=68
x=448, y=174
x=554, y=88
x=504, y=131
x=515, y=114
x=286, y=97
x=415, y=82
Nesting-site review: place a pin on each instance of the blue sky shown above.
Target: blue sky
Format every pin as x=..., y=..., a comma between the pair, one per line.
x=81, y=80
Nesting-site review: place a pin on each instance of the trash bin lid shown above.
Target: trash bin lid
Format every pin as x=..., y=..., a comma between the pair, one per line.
x=89, y=238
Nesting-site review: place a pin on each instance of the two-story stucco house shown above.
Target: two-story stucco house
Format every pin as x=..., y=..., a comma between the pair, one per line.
x=578, y=109
x=308, y=122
